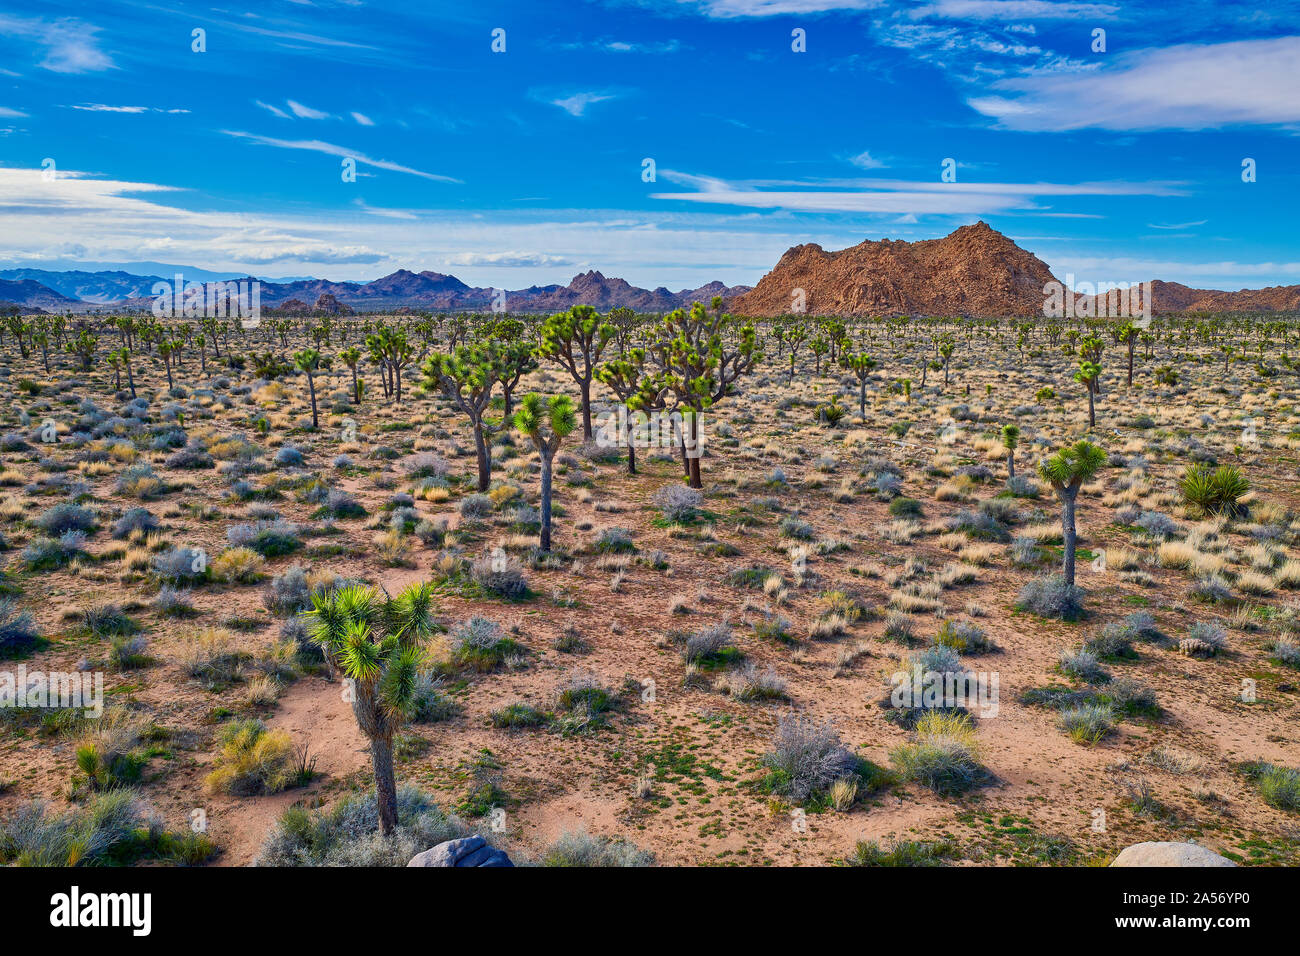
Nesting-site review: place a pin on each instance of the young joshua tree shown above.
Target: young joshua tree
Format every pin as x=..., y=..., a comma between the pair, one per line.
x=547, y=424
x=861, y=365
x=1066, y=471
x=308, y=362
x=1010, y=439
x=351, y=357
x=576, y=339
x=1088, y=376
x=379, y=645
x=626, y=378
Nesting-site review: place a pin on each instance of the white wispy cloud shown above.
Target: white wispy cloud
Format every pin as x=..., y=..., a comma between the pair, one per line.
x=575, y=104
x=1014, y=10
x=105, y=108
x=273, y=110
x=1189, y=86
x=732, y=9
x=864, y=160
x=306, y=112
x=12, y=113
x=1180, y=225
x=69, y=45
x=512, y=260
x=330, y=149
x=362, y=119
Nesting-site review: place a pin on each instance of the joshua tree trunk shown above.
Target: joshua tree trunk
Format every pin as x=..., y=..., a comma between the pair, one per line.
x=862, y=400
x=546, y=502
x=586, y=410
x=1011, y=463
x=693, y=458
x=1092, y=409
x=631, y=447
x=1068, y=533
x=381, y=756
x=484, y=458
x=311, y=387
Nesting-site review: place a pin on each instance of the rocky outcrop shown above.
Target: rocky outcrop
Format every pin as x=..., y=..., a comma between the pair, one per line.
x=467, y=851
x=974, y=271
x=1170, y=854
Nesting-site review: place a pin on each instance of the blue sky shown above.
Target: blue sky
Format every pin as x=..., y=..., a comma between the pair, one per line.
x=526, y=166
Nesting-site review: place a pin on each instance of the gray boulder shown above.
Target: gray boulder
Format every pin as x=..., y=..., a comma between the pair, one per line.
x=467, y=851
x=1169, y=854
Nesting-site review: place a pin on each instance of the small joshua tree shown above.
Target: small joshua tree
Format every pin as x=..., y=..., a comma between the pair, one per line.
x=1010, y=439
x=547, y=424
x=576, y=339
x=378, y=644
x=861, y=365
x=1089, y=376
x=351, y=357
x=308, y=362
x=1066, y=471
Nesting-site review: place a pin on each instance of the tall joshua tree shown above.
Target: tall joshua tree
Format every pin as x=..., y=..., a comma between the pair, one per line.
x=308, y=362
x=1010, y=439
x=379, y=645
x=547, y=423
x=576, y=339
x=1066, y=471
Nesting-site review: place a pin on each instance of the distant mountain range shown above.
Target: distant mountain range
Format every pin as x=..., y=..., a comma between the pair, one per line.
x=61, y=291
x=973, y=271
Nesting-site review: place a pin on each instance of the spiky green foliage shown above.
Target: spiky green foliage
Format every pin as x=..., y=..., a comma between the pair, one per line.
x=1214, y=492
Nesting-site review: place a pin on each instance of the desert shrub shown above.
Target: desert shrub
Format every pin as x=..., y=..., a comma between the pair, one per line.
x=127, y=653
x=1083, y=665
x=1156, y=524
x=139, y=481
x=1051, y=597
x=1286, y=652
x=978, y=524
x=902, y=853
x=173, y=603
x=1087, y=723
x=1025, y=552
x=1278, y=786
x=905, y=508
x=179, y=565
x=710, y=644
x=237, y=565
x=113, y=828
x=1022, y=486
x=518, y=716
x=18, y=632
x=582, y=849
x=475, y=506
x=899, y=628
x=1212, y=589
x=480, y=643
x=500, y=575
x=792, y=527
x=804, y=758
x=1209, y=634
x=65, y=517
x=347, y=834
x=774, y=627
x=252, y=760
x=43, y=554
x=964, y=637
x=945, y=754
x=288, y=457
x=677, y=503
x=340, y=504
x=747, y=683
x=584, y=701
x=614, y=541
x=1131, y=698
x=210, y=656
x=106, y=619
x=134, y=520
x=270, y=539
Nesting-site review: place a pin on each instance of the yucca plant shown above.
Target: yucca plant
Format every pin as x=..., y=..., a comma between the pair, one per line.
x=378, y=644
x=1010, y=439
x=1214, y=492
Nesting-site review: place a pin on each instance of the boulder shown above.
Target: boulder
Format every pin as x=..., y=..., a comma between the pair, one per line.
x=1168, y=854
x=467, y=851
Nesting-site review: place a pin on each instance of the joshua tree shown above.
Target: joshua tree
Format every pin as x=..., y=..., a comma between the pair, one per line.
x=83, y=347
x=547, y=424
x=576, y=339
x=946, y=346
x=308, y=362
x=377, y=644
x=1066, y=471
x=1010, y=439
x=819, y=346
x=795, y=337
x=1088, y=375
x=466, y=378
x=698, y=366
x=626, y=378
x=351, y=357
x=861, y=365
x=1127, y=335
